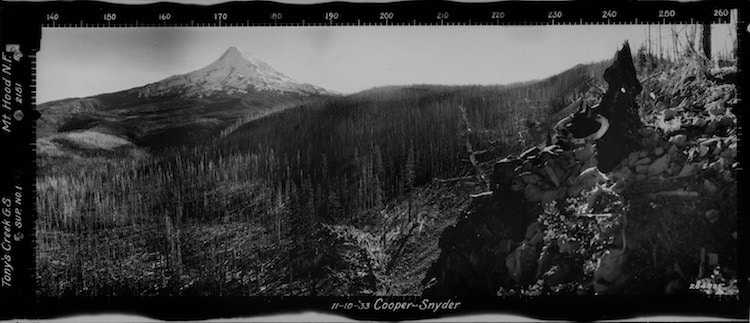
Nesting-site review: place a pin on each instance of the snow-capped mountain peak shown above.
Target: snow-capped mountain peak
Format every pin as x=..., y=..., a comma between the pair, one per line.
x=235, y=73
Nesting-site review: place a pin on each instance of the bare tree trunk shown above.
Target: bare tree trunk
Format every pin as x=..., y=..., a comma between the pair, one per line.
x=174, y=254
x=706, y=40
x=278, y=228
x=661, y=53
x=649, y=39
x=690, y=34
x=675, y=43
x=409, y=211
x=470, y=149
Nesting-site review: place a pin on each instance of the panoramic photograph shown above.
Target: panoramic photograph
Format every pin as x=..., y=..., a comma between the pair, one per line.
x=387, y=161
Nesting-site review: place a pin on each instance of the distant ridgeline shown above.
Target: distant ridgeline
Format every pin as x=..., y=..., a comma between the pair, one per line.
x=609, y=205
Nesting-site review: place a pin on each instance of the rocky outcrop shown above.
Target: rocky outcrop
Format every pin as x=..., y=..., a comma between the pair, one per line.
x=482, y=253
x=472, y=258
x=621, y=200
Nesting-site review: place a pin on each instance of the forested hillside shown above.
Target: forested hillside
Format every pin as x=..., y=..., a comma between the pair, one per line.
x=378, y=143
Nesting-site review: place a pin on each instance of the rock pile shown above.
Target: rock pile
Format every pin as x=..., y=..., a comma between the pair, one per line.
x=681, y=187
x=653, y=188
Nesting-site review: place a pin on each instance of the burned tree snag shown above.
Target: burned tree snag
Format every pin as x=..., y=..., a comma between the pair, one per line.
x=621, y=110
x=470, y=149
x=706, y=41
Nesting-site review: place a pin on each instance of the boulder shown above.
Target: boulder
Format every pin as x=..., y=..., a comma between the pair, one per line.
x=619, y=186
x=713, y=258
x=703, y=150
x=716, y=108
x=673, y=150
x=568, y=245
x=643, y=161
x=660, y=106
x=534, y=233
x=621, y=173
x=658, y=166
x=727, y=121
x=530, y=178
x=552, y=174
x=687, y=169
x=521, y=263
x=710, y=187
x=669, y=114
x=532, y=229
x=678, y=140
x=699, y=122
x=646, y=131
x=575, y=189
x=730, y=152
x=584, y=153
x=549, y=196
x=656, y=137
x=712, y=215
x=632, y=158
x=591, y=176
x=533, y=193
x=718, y=165
x=609, y=271
x=712, y=126
x=591, y=162
x=565, y=272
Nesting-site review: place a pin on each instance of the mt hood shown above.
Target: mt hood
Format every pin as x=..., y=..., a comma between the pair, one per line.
x=235, y=73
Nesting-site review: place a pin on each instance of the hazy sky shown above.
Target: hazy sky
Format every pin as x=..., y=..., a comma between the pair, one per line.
x=79, y=62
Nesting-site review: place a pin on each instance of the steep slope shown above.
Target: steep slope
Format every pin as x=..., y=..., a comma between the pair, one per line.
x=661, y=219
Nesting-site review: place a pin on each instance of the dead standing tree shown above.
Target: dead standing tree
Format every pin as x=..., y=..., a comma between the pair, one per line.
x=706, y=41
x=470, y=149
x=479, y=177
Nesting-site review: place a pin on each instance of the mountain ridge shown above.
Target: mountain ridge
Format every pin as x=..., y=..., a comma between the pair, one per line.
x=236, y=58
x=236, y=85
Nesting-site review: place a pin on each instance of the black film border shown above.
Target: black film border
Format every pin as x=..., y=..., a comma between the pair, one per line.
x=20, y=33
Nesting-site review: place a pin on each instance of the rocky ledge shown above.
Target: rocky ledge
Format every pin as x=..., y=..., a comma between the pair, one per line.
x=623, y=200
